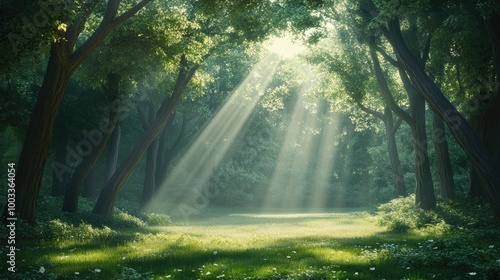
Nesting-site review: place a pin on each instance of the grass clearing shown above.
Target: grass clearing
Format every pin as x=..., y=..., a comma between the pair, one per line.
x=227, y=244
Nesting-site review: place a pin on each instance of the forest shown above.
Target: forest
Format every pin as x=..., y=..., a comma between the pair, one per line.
x=263, y=139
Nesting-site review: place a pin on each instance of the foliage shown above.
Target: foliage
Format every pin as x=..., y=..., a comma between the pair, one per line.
x=401, y=215
x=255, y=245
x=83, y=227
x=464, y=230
x=156, y=219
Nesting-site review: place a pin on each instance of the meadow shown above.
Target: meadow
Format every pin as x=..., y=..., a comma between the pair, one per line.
x=225, y=243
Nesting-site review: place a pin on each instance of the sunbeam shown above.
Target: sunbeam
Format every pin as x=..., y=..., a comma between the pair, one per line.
x=288, y=181
x=325, y=161
x=191, y=175
x=302, y=174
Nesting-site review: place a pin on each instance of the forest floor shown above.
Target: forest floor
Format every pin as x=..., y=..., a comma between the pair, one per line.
x=227, y=244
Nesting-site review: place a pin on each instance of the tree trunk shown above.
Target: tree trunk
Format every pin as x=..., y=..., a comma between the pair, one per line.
x=112, y=159
x=480, y=157
x=151, y=161
x=443, y=158
x=487, y=125
x=390, y=132
x=397, y=171
x=60, y=177
x=425, y=197
x=37, y=139
x=70, y=203
x=109, y=194
x=163, y=165
x=90, y=184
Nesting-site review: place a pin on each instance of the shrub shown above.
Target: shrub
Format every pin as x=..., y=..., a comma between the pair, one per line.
x=401, y=215
x=156, y=219
x=58, y=230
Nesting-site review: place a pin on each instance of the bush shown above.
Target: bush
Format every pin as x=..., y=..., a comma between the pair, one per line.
x=401, y=215
x=58, y=230
x=156, y=219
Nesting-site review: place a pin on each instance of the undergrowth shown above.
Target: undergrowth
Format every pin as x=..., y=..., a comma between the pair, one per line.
x=55, y=225
x=466, y=235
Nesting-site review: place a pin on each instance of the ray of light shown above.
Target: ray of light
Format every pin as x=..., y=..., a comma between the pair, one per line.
x=303, y=171
x=192, y=173
x=288, y=180
x=324, y=164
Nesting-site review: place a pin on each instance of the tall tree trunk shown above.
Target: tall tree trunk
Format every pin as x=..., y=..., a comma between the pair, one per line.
x=397, y=171
x=390, y=132
x=487, y=125
x=151, y=161
x=425, y=197
x=163, y=165
x=37, y=139
x=443, y=158
x=480, y=157
x=161, y=155
x=60, y=177
x=162, y=150
x=112, y=159
x=90, y=184
x=109, y=194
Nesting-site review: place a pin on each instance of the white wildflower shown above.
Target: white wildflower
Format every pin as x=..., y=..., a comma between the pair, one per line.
x=42, y=269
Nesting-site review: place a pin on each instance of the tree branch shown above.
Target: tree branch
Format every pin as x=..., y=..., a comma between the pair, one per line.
x=142, y=118
x=386, y=92
x=371, y=111
x=108, y=23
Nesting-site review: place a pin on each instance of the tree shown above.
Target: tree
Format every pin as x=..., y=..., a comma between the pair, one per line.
x=231, y=24
x=481, y=159
x=63, y=61
x=425, y=197
x=107, y=198
x=359, y=88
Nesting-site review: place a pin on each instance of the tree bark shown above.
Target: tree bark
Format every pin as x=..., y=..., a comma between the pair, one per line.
x=397, y=171
x=151, y=161
x=90, y=184
x=109, y=194
x=38, y=135
x=425, y=196
x=112, y=159
x=60, y=179
x=445, y=171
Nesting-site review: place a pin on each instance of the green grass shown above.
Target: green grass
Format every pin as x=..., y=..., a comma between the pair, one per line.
x=226, y=244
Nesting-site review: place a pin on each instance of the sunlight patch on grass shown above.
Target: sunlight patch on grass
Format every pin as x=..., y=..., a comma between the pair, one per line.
x=252, y=246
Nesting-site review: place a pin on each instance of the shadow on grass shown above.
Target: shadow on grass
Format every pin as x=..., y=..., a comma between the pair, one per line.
x=159, y=256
